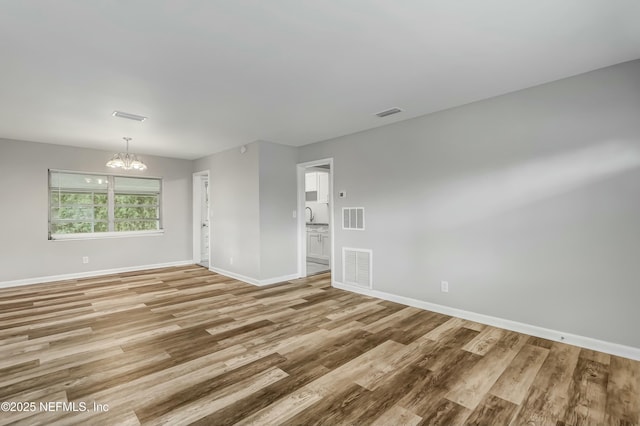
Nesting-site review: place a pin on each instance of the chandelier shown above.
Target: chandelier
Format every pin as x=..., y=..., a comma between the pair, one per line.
x=126, y=161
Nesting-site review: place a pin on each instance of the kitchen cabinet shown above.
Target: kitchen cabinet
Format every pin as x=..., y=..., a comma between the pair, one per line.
x=317, y=182
x=314, y=244
x=318, y=244
x=311, y=181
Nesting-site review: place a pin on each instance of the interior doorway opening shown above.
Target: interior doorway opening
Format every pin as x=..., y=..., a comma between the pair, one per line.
x=315, y=217
x=201, y=218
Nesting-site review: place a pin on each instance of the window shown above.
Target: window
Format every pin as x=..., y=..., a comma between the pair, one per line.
x=85, y=205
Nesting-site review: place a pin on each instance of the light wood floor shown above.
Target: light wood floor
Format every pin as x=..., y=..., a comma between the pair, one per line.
x=184, y=345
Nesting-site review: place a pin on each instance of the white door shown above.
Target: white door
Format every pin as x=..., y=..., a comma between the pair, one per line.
x=204, y=225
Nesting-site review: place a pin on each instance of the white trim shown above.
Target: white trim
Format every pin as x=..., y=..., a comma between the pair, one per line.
x=253, y=281
x=315, y=163
x=533, y=330
x=302, y=226
x=276, y=280
x=90, y=274
x=108, y=172
x=102, y=235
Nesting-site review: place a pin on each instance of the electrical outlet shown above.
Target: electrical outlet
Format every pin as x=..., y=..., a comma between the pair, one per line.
x=295, y=214
x=85, y=259
x=444, y=286
x=231, y=261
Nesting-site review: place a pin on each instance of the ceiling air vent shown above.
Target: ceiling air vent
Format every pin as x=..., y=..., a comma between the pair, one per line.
x=388, y=112
x=128, y=116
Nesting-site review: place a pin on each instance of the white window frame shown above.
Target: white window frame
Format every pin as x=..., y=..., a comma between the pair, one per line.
x=110, y=207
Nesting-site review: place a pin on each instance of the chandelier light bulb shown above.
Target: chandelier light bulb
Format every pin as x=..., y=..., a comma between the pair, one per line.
x=126, y=161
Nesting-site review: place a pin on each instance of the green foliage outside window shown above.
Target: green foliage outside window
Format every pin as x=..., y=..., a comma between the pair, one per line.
x=139, y=225
x=88, y=198
x=71, y=228
x=79, y=212
x=125, y=212
x=130, y=208
x=136, y=199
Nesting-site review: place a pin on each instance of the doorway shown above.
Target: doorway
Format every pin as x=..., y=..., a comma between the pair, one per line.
x=201, y=228
x=315, y=217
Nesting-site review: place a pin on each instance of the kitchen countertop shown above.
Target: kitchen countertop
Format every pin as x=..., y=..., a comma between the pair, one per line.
x=317, y=223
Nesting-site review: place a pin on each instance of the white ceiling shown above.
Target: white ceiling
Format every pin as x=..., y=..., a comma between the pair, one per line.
x=212, y=75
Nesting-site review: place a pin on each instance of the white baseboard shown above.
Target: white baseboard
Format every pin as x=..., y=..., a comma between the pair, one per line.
x=90, y=274
x=279, y=279
x=533, y=330
x=253, y=281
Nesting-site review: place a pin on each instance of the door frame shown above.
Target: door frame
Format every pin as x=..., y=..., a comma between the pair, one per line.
x=197, y=215
x=302, y=225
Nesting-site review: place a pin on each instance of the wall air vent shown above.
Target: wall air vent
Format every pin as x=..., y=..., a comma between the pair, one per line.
x=388, y=112
x=356, y=267
x=353, y=218
x=128, y=116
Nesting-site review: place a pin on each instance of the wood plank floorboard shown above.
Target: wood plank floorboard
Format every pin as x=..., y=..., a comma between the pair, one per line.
x=184, y=345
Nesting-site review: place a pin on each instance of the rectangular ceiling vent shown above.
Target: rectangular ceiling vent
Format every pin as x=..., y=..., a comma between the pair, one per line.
x=128, y=116
x=388, y=112
x=356, y=264
x=353, y=218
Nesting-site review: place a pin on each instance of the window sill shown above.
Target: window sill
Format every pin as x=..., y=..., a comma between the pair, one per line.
x=105, y=235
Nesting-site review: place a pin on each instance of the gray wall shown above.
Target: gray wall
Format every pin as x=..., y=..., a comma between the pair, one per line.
x=278, y=200
x=527, y=203
x=252, y=199
x=25, y=251
x=234, y=210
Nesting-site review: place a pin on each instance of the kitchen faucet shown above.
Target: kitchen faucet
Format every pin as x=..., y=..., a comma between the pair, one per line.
x=310, y=214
